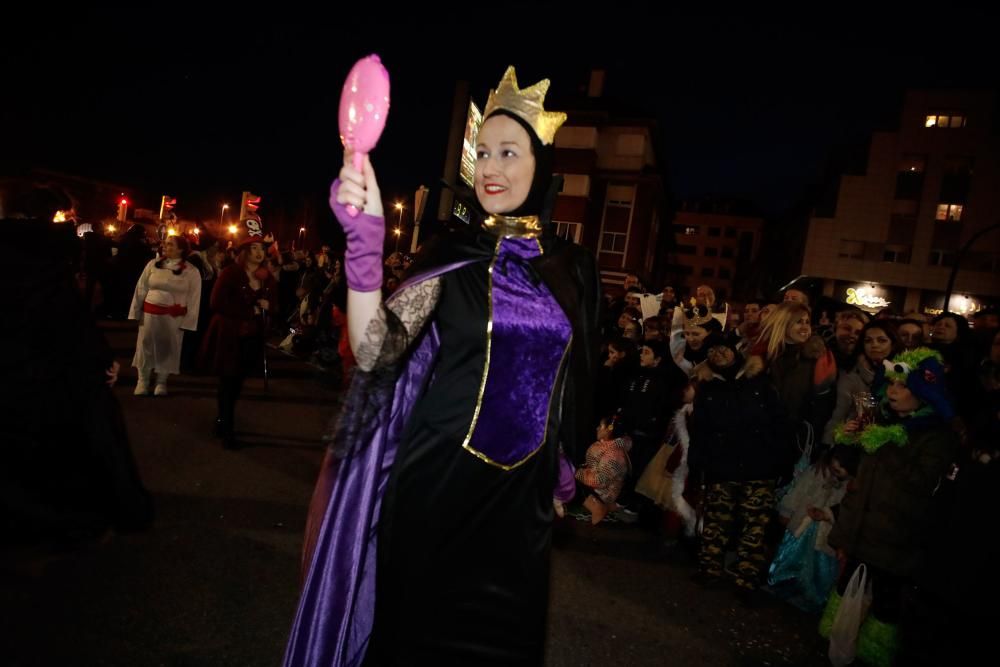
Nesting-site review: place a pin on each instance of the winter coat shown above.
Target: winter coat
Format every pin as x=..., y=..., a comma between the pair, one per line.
x=884, y=518
x=606, y=466
x=649, y=398
x=804, y=376
x=740, y=431
x=233, y=300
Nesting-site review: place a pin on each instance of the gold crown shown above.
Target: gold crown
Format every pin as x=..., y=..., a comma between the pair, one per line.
x=697, y=314
x=527, y=105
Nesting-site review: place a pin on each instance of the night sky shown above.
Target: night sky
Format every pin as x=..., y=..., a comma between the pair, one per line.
x=203, y=108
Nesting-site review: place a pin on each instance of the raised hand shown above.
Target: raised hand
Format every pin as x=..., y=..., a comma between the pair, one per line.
x=366, y=232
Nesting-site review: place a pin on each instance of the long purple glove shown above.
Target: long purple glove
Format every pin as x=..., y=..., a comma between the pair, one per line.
x=365, y=237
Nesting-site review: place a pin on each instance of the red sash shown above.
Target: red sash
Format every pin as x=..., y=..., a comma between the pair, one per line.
x=175, y=310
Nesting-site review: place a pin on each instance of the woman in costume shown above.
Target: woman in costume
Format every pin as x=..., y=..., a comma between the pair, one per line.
x=166, y=303
x=245, y=294
x=429, y=531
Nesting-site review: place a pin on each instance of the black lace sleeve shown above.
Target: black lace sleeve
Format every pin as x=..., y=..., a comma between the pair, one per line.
x=366, y=403
x=396, y=324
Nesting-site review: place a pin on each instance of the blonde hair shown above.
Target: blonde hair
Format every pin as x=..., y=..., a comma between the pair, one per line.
x=776, y=326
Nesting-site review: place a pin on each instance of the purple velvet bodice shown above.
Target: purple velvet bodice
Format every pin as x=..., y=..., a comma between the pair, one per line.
x=528, y=336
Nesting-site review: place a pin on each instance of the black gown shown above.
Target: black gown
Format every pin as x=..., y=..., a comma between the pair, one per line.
x=463, y=566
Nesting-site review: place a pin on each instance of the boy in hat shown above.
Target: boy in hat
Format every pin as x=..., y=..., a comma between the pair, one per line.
x=884, y=520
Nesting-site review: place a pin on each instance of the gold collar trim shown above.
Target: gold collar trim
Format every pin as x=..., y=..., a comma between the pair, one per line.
x=527, y=227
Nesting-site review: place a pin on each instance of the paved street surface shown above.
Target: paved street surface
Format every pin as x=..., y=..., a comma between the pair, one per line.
x=214, y=582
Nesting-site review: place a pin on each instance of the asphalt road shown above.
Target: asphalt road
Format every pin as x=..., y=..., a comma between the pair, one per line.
x=214, y=582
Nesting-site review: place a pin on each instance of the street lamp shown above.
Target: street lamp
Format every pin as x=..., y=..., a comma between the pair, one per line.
x=223, y=214
x=958, y=260
x=399, y=224
x=232, y=229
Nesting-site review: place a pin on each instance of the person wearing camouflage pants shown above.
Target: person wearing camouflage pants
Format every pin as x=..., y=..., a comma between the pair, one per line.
x=746, y=506
x=741, y=440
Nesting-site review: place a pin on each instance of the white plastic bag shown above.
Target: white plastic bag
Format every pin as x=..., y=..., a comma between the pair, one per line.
x=853, y=609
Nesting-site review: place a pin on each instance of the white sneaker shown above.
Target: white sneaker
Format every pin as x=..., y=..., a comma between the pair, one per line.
x=161, y=389
x=141, y=388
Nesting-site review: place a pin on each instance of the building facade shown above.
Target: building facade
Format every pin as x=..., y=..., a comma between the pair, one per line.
x=612, y=196
x=713, y=245
x=931, y=189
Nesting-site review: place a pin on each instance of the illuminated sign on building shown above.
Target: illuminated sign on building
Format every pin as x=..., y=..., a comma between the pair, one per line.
x=472, y=122
x=461, y=211
x=865, y=299
x=960, y=305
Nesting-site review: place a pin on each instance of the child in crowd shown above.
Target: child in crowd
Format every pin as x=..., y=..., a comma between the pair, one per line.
x=805, y=568
x=605, y=468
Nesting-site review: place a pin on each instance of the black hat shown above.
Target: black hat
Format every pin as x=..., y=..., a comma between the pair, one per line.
x=255, y=234
x=717, y=339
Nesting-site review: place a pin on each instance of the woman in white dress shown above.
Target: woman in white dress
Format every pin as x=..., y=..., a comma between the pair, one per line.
x=166, y=303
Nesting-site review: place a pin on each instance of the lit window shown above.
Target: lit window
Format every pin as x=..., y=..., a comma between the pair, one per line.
x=943, y=121
x=690, y=231
x=949, y=212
